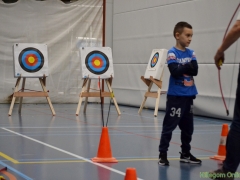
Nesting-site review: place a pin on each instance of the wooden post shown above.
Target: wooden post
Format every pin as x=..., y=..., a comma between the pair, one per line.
x=149, y=82
x=81, y=98
x=113, y=97
x=103, y=38
x=86, y=93
x=145, y=97
x=14, y=98
x=21, y=98
x=104, y=23
x=86, y=99
x=47, y=97
x=22, y=94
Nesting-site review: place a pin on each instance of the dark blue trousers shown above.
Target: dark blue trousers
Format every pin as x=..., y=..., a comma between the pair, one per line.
x=178, y=112
x=233, y=139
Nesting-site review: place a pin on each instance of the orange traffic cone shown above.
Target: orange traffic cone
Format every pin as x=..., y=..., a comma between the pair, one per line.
x=131, y=174
x=104, y=149
x=2, y=170
x=222, y=145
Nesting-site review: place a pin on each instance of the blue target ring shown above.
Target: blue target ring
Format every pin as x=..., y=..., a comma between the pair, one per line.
x=154, y=59
x=31, y=59
x=97, y=62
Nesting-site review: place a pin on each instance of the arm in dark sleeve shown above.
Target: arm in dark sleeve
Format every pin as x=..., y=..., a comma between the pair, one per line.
x=193, y=71
x=177, y=70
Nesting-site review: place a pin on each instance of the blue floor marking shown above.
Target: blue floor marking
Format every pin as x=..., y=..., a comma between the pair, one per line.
x=16, y=171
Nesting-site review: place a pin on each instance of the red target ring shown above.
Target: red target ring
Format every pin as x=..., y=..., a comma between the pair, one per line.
x=154, y=59
x=31, y=59
x=97, y=62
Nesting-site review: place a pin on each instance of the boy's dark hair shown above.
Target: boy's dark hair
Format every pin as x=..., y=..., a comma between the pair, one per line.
x=179, y=27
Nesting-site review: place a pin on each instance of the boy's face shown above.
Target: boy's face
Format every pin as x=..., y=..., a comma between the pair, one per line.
x=184, y=39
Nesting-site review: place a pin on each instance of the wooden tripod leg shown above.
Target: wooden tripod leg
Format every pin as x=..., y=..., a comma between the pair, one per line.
x=145, y=98
x=113, y=97
x=44, y=80
x=81, y=98
x=86, y=99
x=48, y=99
x=21, y=98
x=157, y=102
x=158, y=95
x=14, y=98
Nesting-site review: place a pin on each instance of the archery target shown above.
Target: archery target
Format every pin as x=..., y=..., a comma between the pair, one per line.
x=156, y=64
x=154, y=60
x=30, y=60
x=96, y=62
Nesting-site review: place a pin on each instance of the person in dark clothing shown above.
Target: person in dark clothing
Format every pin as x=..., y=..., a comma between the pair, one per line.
x=232, y=160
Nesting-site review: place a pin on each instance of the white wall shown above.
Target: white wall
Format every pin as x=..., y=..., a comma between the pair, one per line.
x=142, y=25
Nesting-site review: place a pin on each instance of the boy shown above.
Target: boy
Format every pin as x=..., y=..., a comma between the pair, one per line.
x=182, y=64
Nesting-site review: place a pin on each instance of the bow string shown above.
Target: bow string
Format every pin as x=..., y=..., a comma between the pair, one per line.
x=219, y=77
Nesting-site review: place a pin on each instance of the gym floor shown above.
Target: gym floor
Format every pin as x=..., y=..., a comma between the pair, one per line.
x=36, y=145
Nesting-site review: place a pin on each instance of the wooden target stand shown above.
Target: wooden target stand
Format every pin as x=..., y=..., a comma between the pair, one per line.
x=20, y=93
x=86, y=93
x=149, y=82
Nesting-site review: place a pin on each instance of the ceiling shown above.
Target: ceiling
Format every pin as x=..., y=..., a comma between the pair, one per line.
x=13, y=1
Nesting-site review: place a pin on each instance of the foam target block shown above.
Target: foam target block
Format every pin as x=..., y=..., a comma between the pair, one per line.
x=156, y=64
x=30, y=60
x=96, y=62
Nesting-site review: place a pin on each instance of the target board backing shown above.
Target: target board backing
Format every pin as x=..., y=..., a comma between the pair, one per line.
x=156, y=64
x=30, y=60
x=96, y=62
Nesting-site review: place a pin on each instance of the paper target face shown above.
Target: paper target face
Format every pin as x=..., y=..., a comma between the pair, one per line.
x=96, y=62
x=154, y=59
x=156, y=64
x=30, y=60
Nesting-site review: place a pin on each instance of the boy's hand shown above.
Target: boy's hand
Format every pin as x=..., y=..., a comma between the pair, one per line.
x=219, y=59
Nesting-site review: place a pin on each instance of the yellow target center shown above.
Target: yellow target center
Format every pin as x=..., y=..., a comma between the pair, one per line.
x=97, y=62
x=155, y=60
x=31, y=59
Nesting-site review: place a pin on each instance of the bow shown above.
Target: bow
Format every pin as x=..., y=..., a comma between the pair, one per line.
x=220, y=63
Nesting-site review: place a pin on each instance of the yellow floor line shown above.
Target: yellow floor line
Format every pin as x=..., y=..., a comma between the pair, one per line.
x=51, y=162
x=9, y=158
x=80, y=161
x=170, y=159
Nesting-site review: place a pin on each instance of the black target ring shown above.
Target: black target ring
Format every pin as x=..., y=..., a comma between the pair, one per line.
x=154, y=59
x=97, y=62
x=31, y=59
